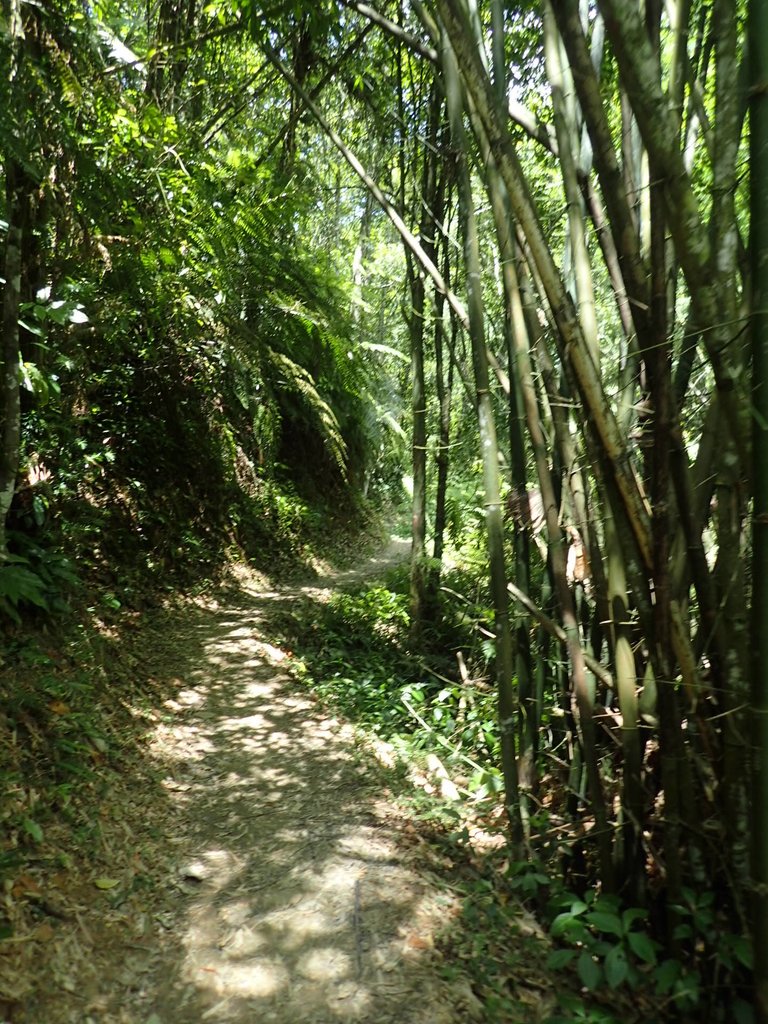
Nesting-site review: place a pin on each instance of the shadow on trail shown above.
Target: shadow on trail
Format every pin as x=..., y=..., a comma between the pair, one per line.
x=293, y=902
x=246, y=866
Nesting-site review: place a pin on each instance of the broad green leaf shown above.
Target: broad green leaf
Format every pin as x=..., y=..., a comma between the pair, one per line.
x=742, y=1012
x=59, y=311
x=616, y=967
x=665, y=975
x=560, y=958
x=32, y=328
x=642, y=946
x=18, y=584
x=605, y=922
x=687, y=990
x=8, y=609
x=629, y=917
x=591, y=973
x=33, y=829
x=565, y=922
x=742, y=950
x=35, y=381
x=372, y=346
x=106, y=883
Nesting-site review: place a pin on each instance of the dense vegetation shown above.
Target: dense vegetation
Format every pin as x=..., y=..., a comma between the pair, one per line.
x=265, y=264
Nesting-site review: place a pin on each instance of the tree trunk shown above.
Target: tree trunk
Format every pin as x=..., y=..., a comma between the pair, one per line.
x=573, y=344
x=444, y=388
x=11, y=359
x=514, y=322
x=418, y=460
x=490, y=456
x=758, y=38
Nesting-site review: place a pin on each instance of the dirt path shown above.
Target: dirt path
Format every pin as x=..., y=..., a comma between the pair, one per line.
x=258, y=878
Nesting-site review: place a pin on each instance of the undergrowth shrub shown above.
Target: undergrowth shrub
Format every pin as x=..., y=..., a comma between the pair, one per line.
x=354, y=653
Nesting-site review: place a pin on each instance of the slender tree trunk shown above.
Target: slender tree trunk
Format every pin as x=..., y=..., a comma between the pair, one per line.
x=516, y=337
x=174, y=26
x=11, y=397
x=490, y=456
x=444, y=388
x=514, y=321
x=359, y=259
x=705, y=267
x=617, y=197
x=626, y=688
x=568, y=145
x=758, y=39
x=656, y=359
x=573, y=344
x=422, y=609
x=9, y=379
x=418, y=459
x=729, y=574
x=583, y=693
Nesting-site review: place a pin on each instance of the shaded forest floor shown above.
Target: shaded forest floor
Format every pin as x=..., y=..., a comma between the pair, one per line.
x=248, y=861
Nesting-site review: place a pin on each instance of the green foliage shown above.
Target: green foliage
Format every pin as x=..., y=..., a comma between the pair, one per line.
x=611, y=948
x=579, y=1011
x=353, y=651
x=190, y=376
x=274, y=309
x=34, y=576
x=607, y=946
x=170, y=431
x=61, y=739
x=19, y=586
x=505, y=953
x=607, y=950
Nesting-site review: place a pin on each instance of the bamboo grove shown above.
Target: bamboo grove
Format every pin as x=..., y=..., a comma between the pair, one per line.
x=628, y=418
x=579, y=192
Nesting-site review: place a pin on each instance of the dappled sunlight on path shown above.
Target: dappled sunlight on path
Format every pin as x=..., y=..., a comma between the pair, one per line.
x=249, y=868
x=252, y=870
x=298, y=904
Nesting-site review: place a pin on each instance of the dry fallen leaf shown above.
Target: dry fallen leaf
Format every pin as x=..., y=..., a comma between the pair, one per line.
x=24, y=884
x=416, y=941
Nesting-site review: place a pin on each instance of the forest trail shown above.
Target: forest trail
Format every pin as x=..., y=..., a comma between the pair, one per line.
x=258, y=875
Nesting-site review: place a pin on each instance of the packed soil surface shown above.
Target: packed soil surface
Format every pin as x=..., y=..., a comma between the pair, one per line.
x=252, y=868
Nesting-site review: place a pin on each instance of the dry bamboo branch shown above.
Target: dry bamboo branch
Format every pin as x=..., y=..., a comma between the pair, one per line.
x=598, y=670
